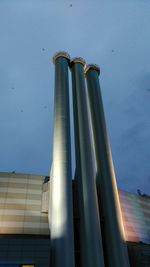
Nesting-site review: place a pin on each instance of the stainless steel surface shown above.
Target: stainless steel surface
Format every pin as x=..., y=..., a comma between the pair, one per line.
x=61, y=208
x=109, y=205
x=90, y=232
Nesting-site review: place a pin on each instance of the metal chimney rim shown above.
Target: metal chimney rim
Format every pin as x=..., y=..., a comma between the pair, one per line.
x=61, y=54
x=77, y=60
x=92, y=67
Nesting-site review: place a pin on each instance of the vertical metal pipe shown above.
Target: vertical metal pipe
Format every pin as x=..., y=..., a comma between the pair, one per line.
x=61, y=221
x=91, y=244
x=113, y=232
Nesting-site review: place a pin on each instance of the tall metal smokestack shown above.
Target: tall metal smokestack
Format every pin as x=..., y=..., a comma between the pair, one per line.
x=113, y=233
x=91, y=244
x=61, y=209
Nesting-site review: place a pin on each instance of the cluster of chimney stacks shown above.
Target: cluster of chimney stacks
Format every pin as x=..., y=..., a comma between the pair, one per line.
x=101, y=229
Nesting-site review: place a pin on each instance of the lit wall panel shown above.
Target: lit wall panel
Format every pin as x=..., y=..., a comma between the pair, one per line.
x=136, y=216
x=21, y=205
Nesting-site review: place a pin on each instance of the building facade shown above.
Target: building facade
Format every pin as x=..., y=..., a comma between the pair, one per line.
x=25, y=231
x=24, y=228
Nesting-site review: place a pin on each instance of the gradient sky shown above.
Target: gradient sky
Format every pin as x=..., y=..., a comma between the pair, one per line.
x=115, y=35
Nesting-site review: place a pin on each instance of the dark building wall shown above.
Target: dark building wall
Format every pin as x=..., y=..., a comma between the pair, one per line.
x=25, y=250
x=139, y=254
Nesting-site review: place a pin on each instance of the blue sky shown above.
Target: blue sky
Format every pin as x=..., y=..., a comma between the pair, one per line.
x=115, y=35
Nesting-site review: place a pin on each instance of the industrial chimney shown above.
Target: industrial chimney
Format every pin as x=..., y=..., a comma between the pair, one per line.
x=90, y=232
x=61, y=208
x=109, y=204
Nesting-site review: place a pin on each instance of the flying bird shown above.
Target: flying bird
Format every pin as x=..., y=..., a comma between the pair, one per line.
x=70, y=5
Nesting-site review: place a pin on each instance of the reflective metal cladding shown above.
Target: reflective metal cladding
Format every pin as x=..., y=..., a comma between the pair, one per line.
x=109, y=205
x=61, y=208
x=90, y=231
x=101, y=233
